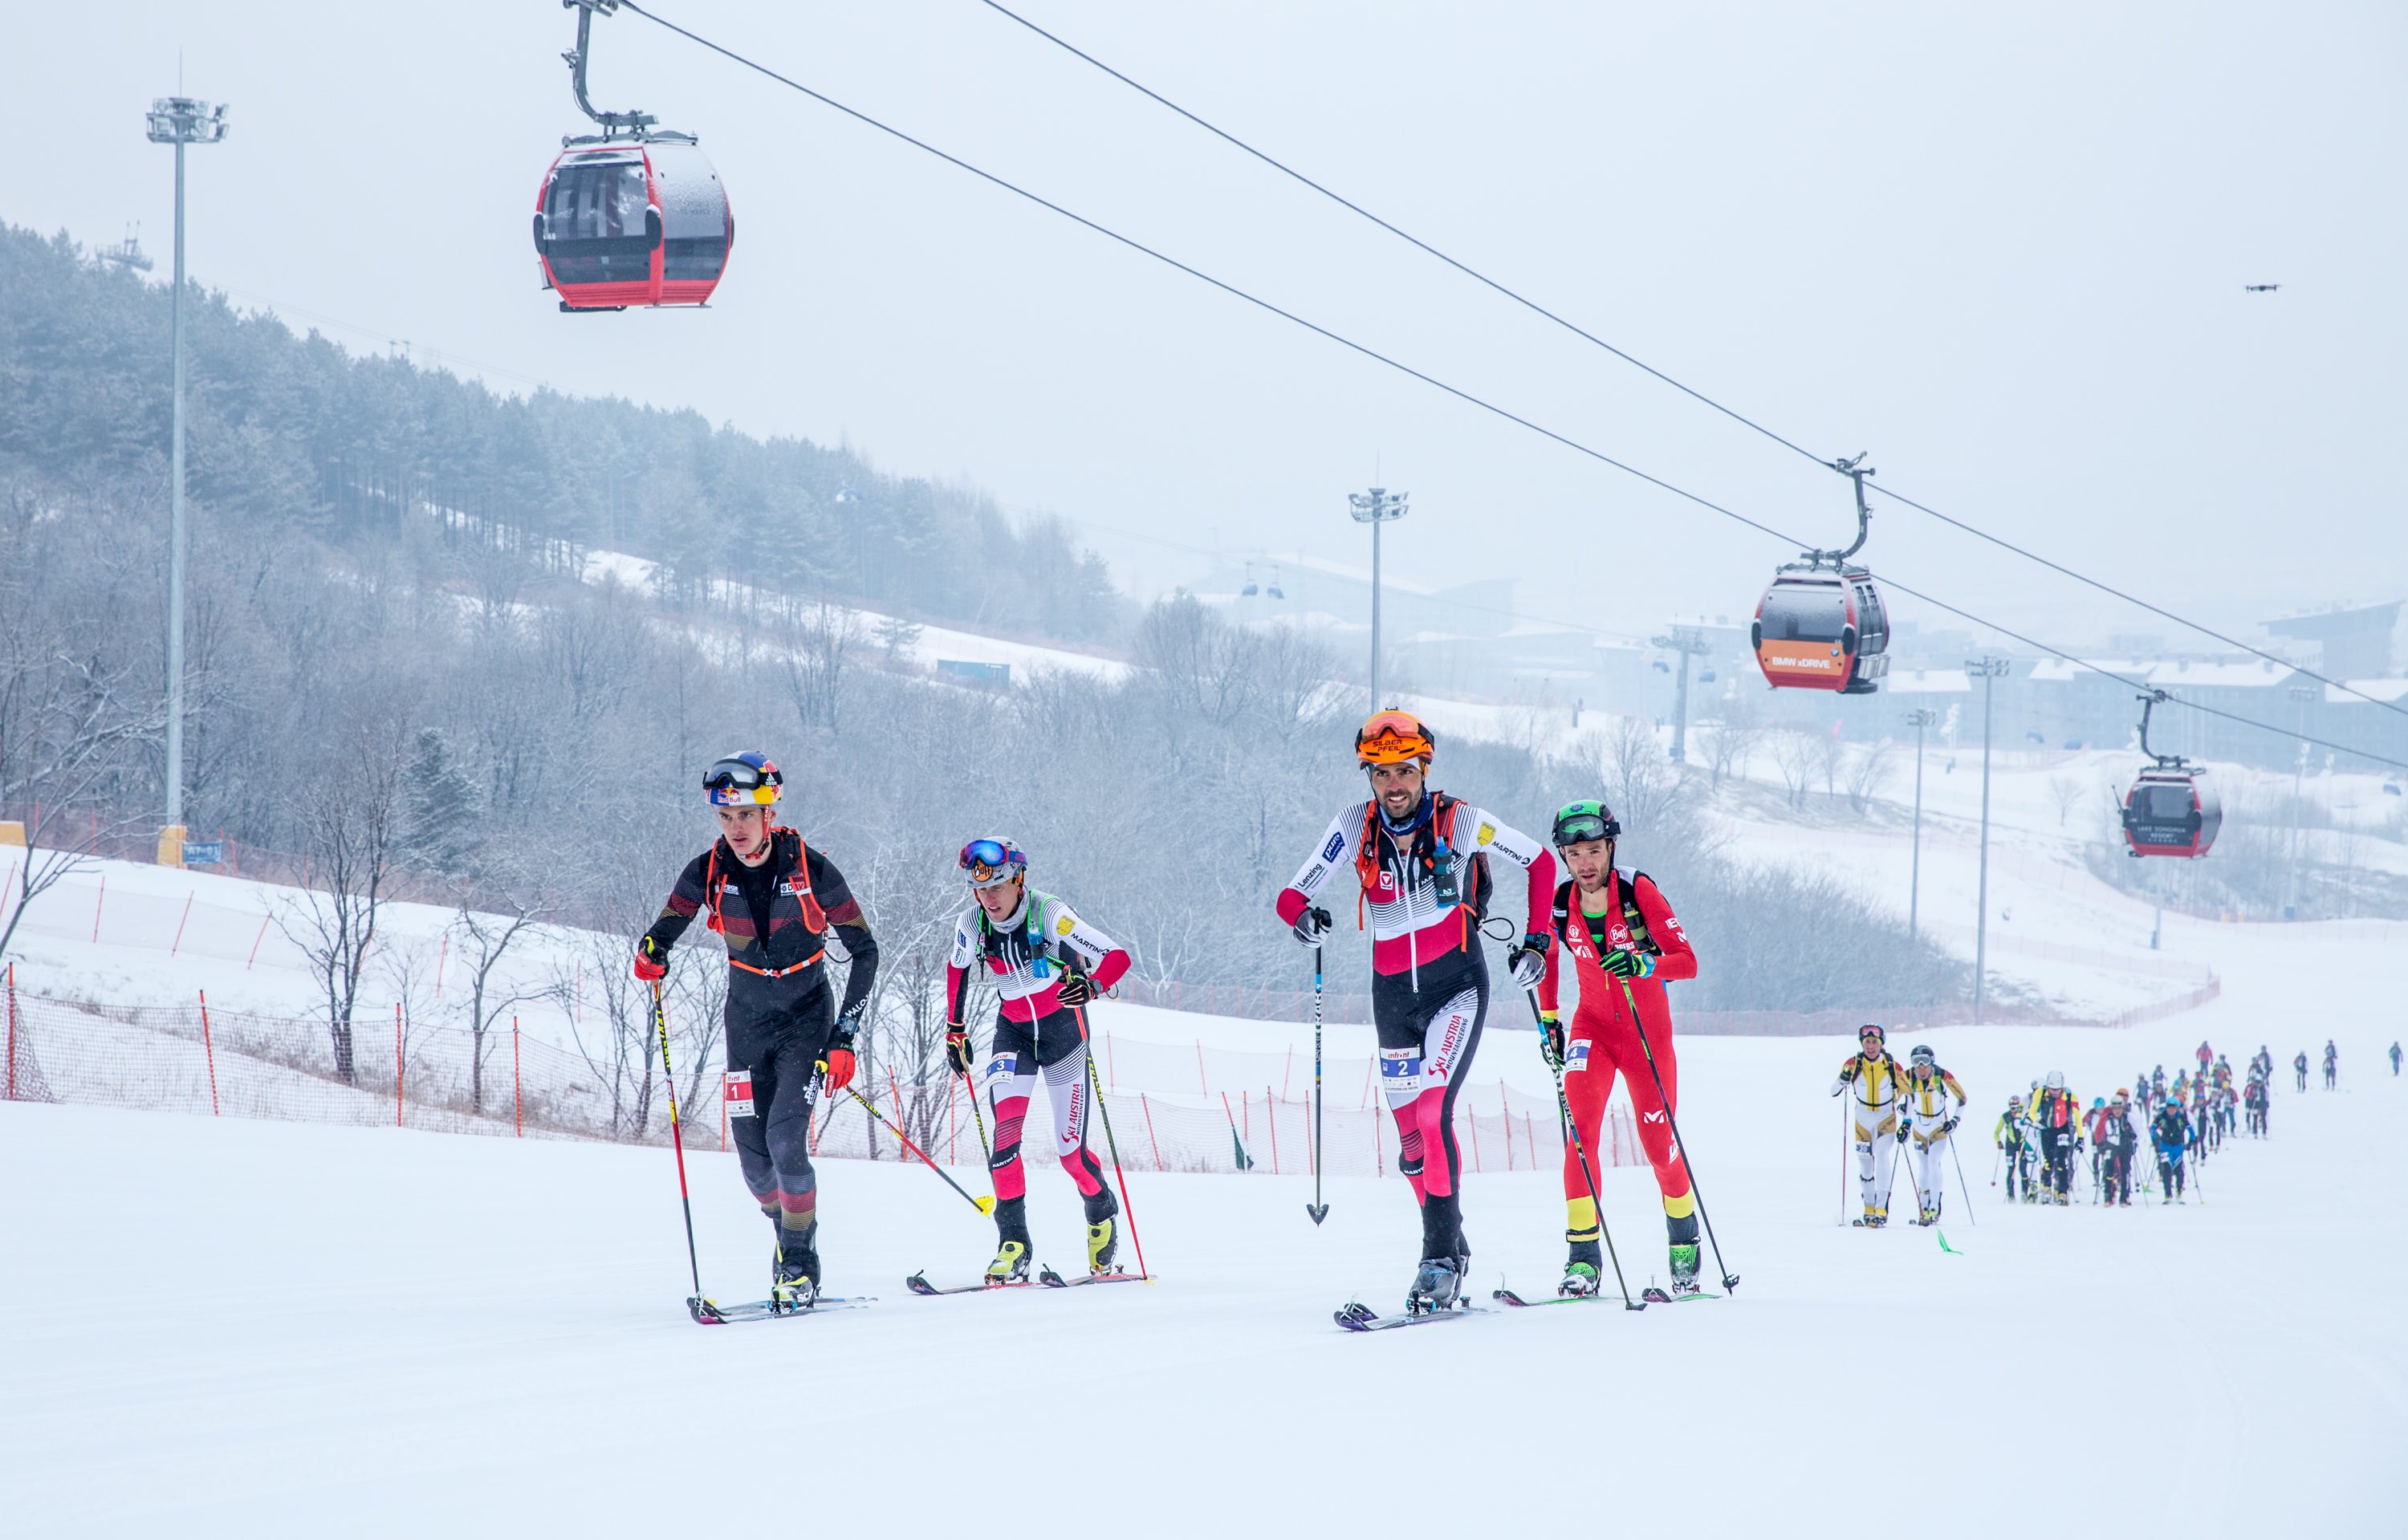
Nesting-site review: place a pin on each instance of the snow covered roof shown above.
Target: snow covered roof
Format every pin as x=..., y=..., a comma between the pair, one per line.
x=2382, y=689
x=2194, y=676
x=1926, y=681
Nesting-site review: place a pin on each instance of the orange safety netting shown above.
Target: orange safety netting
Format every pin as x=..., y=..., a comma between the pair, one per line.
x=208, y=1060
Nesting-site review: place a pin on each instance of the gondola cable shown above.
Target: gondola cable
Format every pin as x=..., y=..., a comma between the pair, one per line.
x=1431, y=380
x=1641, y=365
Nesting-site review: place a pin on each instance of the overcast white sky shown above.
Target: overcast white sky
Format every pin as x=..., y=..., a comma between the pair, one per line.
x=2002, y=250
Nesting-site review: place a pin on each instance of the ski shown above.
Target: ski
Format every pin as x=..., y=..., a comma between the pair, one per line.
x=1507, y=1296
x=1362, y=1317
x=1653, y=1295
x=918, y=1283
x=1052, y=1279
x=710, y=1312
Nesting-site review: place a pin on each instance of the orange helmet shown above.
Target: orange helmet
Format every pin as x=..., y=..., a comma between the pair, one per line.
x=1393, y=738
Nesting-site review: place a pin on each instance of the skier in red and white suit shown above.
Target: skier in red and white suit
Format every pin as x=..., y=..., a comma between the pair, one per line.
x=1626, y=945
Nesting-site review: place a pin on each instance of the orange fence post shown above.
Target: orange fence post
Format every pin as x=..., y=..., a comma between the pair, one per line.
x=517, y=1101
x=1270, y=1111
x=209, y=1050
x=441, y=957
x=1201, y=1084
x=396, y=1063
x=180, y=925
x=96, y=903
x=1473, y=1119
x=1145, y=1107
x=1505, y=1104
x=256, y=940
x=12, y=1028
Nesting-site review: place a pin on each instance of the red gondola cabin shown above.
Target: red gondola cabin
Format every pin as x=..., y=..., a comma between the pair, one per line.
x=638, y=222
x=1822, y=630
x=2172, y=812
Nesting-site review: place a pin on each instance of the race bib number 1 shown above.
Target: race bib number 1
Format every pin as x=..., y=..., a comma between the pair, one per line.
x=739, y=1095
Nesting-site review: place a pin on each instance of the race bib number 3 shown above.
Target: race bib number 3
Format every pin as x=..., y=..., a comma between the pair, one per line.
x=739, y=1093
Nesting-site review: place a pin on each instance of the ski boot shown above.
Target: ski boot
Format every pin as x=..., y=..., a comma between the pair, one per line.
x=1436, y=1284
x=1103, y=1231
x=1011, y=1264
x=1685, y=1260
x=1874, y=1217
x=1927, y=1216
x=1439, y=1279
x=794, y=1271
x=1583, y=1274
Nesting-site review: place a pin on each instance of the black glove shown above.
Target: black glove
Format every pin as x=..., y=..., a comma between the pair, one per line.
x=958, y=1047
x=1551, y=1039
x=1311, y=925
x=1948, y=1127
x=1527, y=962
x=1076, y=988
x=1902, y=1133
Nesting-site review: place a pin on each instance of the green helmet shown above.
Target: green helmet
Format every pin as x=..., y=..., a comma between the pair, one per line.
x=1576, y=821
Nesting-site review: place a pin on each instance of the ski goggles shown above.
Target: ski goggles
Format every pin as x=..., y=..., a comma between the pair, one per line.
x=739, y=783
x=990, y=862
x=1581, y=821
x=1393, y=737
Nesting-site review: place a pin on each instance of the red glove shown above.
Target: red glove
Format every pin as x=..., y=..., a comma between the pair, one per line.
x=838, y=1068
x=652, y=962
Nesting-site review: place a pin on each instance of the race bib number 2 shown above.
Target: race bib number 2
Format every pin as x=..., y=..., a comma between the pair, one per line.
x=739, y=1093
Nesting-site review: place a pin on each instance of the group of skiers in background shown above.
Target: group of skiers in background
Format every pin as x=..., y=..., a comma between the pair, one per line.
x=2185, y=1121
x=2044, y=1131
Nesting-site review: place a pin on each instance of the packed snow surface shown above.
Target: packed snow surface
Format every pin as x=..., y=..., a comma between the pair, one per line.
x=223, y=1327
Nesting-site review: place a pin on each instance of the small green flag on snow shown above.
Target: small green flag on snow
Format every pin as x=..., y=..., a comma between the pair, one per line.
x=1245, y=1161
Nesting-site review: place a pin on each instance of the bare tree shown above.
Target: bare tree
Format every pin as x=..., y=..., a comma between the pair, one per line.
x=1867, y=774
x=619, y=1048
x=1793, y=754
x=71, y=711
x=812, y=642
x=485, y=938
x=2067, y=792
x=1630, y=766
x=1732, y=738
x=351, y=822
x=1830, y=753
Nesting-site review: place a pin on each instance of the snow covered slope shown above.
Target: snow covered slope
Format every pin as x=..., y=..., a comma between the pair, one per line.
x=260, y=1327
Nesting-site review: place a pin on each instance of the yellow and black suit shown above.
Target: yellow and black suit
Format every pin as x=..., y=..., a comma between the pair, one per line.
x=1874, y=1081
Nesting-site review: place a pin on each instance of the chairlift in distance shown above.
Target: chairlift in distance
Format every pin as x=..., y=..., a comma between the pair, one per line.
x=632, y=216
x=1822, y=624
x=1249, y=590
x=2173, y=808
x=1272, y=588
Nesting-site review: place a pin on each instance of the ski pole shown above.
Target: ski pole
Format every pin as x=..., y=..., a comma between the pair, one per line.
x=1318, y=1209
x=1959, y=1156
x=1580, y=1147
x=1095, y=1092
x=1898, y=1148
x=984, y=1205
x=1730, y=1279
x=696, y=1305
x=1847, y=1139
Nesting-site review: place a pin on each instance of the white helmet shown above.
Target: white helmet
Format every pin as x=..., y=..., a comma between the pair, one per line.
x=2056, y=1079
